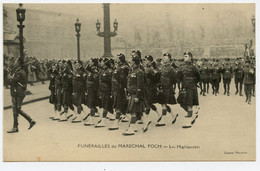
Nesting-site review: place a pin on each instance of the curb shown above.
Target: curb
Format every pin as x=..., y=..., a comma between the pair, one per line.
x=28, y=102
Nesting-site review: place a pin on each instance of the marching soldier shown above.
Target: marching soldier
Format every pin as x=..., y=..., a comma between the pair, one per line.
x=78, y=84
x=167, y=80
x=58, y=91
x=66, y=81
x=105, y=76
x=152, y=78
x=119, y=84
x=204, y=74
x=18, y=82
x=135, y=88
x=92, y=84
x=190, y=77
x=249, y=76
x=227, y=75
x=239, y=76
x=52, y=100
x=215, y=78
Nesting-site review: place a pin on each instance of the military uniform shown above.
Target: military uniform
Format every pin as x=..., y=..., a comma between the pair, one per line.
x=227, y=75
x=58, y=93
x=53, y=99
x=204, y=74
x=239, y=76
x=167, y=80
x=249, y=76
x=18, y=82
x=215, y=78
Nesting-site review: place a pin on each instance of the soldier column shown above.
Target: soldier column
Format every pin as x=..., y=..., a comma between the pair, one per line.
x=107, y=34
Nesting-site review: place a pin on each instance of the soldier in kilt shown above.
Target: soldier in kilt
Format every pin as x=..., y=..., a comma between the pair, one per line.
x=166, y=90
x=190, y=77
x=92, y=86
x=135, y=88
x=119, y=83
x=58, y=91
x=152, y=78
x=105, y=77
x=52, y=100
x=66, y=80
x=78, y=84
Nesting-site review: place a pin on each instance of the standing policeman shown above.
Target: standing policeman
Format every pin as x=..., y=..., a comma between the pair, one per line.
x=18, y=82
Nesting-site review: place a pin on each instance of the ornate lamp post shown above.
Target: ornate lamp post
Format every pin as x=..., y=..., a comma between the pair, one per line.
x=77, y=29
x=107, y=34
x=20, y=13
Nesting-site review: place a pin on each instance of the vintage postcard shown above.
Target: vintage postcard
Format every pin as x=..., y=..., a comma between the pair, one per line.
x=129, y=82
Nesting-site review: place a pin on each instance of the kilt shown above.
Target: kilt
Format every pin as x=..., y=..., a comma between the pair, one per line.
x=92, y=99
x=167, y=96
x=59, y=97
x=135, y=107
x=151, y=94
x=106, y=101
x=119, y=100
x=191, y=98
x=67, y=98
x=78, y=98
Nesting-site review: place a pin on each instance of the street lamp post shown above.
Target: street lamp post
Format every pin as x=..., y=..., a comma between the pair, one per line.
x=20, y=13
x=107, y=34
x=77, y=29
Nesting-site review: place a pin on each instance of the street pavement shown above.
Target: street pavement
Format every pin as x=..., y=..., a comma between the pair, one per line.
x=224, y=124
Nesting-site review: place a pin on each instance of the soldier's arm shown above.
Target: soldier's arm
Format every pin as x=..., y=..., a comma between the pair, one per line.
x=173, y=76
x=140, y=84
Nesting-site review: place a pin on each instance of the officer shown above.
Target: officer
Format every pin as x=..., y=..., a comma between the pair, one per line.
x=190, y=77
x=105, y=77
x=135, y=88
x=92, y=86
x=227, y=75
x=18, y=82
x=52, y=100
x=78, y=84
x=167, y=80
x=249, y=76
x=58, y=90
x=239, y=76
x=66, y=81
x=119, y=84
x=152, y=78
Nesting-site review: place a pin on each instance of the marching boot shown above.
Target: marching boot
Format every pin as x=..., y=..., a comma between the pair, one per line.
x=130, y=130
x=32, y=123
x=15, y=124
x=188, y=123
x=236, y=92
x=74, y=116
x=189, y=114
x=63, y=117
x=89, y=122
x=77, y=119
x=114, y=126
x=110, y=116
x=204, y=93
x=136, y=127
x=225, y=92
x=160, y=122
x=193, y=121
x=101, y=123
x=140, y=121
x=85, y=116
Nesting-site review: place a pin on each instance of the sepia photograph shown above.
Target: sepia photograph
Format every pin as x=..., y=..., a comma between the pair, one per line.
x=129, y=82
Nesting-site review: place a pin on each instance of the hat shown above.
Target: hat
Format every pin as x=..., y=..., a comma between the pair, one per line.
x=137, y=52
x=136, y=59
x=121, y=57
x=167, y=54
x=188, y=53
x=95, y=61
x=78, y=61
x=149, y=58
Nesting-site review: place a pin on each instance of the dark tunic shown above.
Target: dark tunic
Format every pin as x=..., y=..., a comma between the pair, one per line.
x=105, y=77
x=78, y=84
x=53, y=74
x=249, y=76
x=67, y=86
x=167, y=80
x=190, y=77
x=204, y=74
x=136, y=89
x=58, y=88
x=92, y=99
x=239, y=74
x=227, y=75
